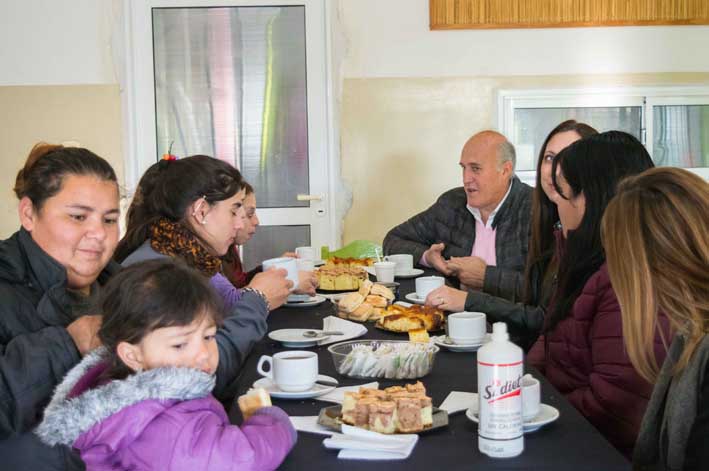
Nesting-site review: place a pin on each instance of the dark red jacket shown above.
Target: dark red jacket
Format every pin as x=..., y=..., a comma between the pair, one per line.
x=585, y=359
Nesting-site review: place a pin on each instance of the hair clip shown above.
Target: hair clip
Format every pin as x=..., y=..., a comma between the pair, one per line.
x=169, y=155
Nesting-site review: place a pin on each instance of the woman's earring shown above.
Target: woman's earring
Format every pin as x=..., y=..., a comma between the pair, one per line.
x=204, y=221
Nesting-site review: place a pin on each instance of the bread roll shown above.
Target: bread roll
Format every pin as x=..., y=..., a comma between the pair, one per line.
x=252, y=401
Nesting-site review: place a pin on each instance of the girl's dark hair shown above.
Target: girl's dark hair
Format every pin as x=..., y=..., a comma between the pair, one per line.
x=48, y=164
x=544, y=217
x=248, y=189
x=593, y=166
x=168, y=188
x=150, y=295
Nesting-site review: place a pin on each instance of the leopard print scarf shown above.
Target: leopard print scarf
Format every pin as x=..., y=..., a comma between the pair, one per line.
x=176, y=240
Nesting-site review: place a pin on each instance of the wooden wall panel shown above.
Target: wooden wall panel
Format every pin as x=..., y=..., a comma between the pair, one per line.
x=489, y=14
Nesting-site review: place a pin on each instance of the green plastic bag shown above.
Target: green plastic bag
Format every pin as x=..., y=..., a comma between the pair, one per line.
x=356, y=249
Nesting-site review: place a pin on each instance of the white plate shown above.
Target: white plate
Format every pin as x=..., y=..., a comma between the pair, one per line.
x=315, y=391
x=472, y=347
x=412, y=274
x=547, y=414
x=413, y=297
x=312, y=301
x=293, y=338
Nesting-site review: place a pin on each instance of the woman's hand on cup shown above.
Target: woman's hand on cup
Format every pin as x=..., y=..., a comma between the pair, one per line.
x=447, y=298
x=274, y=285
x=84, y=333
x=307, y=283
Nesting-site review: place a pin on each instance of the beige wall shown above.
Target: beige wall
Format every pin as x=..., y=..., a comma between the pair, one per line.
x=88, y=114
x=401, y=137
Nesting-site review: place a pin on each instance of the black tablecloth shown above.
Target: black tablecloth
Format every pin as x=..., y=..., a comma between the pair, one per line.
x=570, y=441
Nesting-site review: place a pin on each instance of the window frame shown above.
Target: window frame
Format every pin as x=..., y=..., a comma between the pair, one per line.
x=508, y=100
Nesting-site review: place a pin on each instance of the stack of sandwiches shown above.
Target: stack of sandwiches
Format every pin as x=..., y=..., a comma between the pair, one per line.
x=367, y=304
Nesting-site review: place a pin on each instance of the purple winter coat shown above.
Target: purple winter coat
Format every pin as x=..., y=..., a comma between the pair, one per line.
x=585, y=359
x=161, y=419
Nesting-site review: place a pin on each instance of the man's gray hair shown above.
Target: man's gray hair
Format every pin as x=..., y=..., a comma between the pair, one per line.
x=506, y=153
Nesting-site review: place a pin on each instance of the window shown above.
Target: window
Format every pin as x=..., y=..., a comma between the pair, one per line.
x=672, y=122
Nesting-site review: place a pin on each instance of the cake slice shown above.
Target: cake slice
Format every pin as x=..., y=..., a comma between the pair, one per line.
x=382, y=417
x=408, y=412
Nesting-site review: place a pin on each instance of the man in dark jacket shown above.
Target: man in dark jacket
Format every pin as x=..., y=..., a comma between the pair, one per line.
x=477, y=233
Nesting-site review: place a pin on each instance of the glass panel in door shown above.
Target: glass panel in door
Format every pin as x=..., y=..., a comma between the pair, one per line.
x=230, y=82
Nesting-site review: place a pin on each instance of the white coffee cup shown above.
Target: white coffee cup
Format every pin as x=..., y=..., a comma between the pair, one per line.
x=385, y=271
x=467, y=327
x=404, y=263
x=304, y=264
x=284, y=262
x=426, y=284
x=531, y=397
x=305, y=253
x=291, y=371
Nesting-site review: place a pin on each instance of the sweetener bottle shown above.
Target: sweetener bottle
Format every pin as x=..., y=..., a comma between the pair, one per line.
x=500, y=371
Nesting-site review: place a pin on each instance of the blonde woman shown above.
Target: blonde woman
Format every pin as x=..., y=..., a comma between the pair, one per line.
x=656, y=236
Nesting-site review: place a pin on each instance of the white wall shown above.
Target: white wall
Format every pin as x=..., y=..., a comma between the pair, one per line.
x=56, y=42
x=391, y=38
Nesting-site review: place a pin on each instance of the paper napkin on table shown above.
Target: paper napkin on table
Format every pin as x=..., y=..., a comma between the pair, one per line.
x=358, y=444
x=309, y=424
x=350, y=330
x=458, y=401
x=338, y=394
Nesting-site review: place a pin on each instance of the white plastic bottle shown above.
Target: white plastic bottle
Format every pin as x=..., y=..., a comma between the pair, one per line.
x=500, y=371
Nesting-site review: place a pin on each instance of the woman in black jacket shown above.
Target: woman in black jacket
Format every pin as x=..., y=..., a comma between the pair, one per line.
x=525, y=320
x=50, y=272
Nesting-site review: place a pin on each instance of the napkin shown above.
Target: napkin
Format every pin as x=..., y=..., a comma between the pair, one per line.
x=358, y=444
x=458, y=401
x=350, y=330
x=338, y=394
x=309, y=424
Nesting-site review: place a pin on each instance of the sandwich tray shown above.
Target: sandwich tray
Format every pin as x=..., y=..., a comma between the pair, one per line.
x=331, y=418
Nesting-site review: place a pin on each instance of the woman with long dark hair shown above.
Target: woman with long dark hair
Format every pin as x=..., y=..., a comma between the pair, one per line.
x=581, y=349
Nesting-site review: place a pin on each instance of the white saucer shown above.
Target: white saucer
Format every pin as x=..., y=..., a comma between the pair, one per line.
x=311, y=301
x=411, y=274
x=547, y=414
x=413, y=297
x=318, y=263
x=315, y=391
x=468, y=347
x=293, y=338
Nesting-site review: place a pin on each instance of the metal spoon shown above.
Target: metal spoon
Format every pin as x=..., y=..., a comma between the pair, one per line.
x=447, y=340
x=321, y=333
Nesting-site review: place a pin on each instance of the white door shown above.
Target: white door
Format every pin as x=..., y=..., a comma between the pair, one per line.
x=244, y=81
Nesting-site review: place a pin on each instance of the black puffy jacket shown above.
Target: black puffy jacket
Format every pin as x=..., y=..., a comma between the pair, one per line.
x=35, y=349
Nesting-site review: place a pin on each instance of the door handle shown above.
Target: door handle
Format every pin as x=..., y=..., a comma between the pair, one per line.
x=302, y=197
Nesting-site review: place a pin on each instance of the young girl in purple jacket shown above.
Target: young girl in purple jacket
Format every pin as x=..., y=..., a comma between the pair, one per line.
x=143, y=400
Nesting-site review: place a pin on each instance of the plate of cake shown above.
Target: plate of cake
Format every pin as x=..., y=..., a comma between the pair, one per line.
x=340, y=275
x=366, y=304
x=394, y=410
